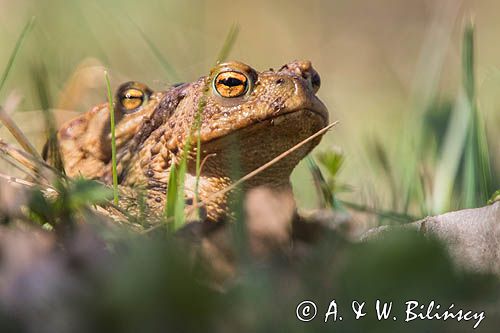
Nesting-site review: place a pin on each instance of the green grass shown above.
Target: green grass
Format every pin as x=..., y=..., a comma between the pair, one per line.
x=113, y=138
x=170, y=71
x=231, y=37
x=325, y=191
x=467, y=151
x=6, y=119
x=172, y=191
x=450, y=144
x=10, y=63
x=464, y=157
x=41, y=80
x=477, y=186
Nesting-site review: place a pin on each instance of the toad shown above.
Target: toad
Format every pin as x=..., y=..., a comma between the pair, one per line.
x=241, y=117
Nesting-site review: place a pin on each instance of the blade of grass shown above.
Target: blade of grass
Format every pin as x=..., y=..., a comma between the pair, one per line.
x=171, y=192
x=12, y=157
x=231, y=37
x=395, y=216
x=179, y=215
x=174, y=207
x=381, y=157
x=21, y=159
x=477, y=172
x=41, y=81
x=449, y=157
x=179, y=204
x=424, y=91
x=13, y=55
x=113, y=139
x=471, y=165
x=465, y=137
x=236, y=206
x=197, y=126
x=16, y=132
x=325, y=195
x=24, y=182
x=172, y=75
x=271, y=162
x=224, y=52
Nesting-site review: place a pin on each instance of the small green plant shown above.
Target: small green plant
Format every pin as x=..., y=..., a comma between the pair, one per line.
x=72, y=197
x=495, y=197
x=328, y=187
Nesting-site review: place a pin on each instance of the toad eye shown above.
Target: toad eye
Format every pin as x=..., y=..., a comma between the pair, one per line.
x=131, y=96
x=231, y=84
x=132, y=99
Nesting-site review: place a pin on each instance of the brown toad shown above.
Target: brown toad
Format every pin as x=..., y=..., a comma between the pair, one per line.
x=246, y=119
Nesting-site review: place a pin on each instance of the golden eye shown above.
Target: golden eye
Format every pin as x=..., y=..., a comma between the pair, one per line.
x=231, y=84
x=131, y=96
x=132, y=99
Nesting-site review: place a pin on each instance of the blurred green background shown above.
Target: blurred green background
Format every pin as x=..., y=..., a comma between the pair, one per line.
x=384, y=64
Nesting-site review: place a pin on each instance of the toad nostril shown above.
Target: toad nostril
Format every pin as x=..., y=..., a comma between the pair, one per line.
x=280, y=81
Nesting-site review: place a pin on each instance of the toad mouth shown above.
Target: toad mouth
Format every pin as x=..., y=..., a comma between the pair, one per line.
x=316, y=109
x=310, y=117
x=277, y=119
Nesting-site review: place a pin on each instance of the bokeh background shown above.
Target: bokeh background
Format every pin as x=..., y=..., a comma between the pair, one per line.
x=382, y=63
